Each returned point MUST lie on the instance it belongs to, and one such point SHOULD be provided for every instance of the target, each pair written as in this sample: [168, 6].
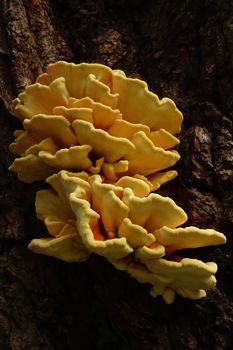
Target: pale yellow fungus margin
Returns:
[89, 117]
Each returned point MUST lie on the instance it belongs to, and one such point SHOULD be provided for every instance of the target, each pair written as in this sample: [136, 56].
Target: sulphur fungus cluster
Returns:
[100, 140]
[84, 117]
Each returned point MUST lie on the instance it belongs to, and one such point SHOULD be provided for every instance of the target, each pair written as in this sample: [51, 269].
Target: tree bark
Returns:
[184, 50]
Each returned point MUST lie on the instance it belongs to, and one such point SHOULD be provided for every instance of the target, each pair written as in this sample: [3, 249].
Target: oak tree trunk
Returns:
[184, 50]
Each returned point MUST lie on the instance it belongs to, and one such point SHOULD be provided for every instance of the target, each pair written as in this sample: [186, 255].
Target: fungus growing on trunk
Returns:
[89, 117]
[136, 231]
[101, 140]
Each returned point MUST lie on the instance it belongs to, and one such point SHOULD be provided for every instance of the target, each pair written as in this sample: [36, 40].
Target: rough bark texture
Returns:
[184, 50]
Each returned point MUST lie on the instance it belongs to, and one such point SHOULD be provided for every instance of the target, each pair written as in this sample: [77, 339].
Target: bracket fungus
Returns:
[134, 229]
[84, 117]
[102, 142]
[111, 220]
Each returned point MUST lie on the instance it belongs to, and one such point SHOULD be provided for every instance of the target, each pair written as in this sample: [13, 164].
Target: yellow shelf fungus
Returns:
[109, 218]
[96, 119]
[189, 277]
[134, 229]
[89, 118]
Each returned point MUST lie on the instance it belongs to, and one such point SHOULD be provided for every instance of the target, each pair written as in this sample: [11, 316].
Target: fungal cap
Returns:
[188, 237]
[31, 168]
[91, 234]
[188, 273]
[154, 251]
[189, 277]
[148, 105]
[67, 248]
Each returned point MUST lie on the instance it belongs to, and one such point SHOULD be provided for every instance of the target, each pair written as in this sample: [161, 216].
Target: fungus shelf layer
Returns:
[89, 117]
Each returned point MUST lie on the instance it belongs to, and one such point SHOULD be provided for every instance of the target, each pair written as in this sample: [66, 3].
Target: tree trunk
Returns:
[184, 50]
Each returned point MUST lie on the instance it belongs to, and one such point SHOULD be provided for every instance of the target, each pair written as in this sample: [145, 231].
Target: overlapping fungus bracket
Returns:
[134, 229]
[89, 117]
